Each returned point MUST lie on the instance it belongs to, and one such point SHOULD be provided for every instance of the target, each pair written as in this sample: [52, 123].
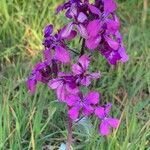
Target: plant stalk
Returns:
[69, 137]
[82, 48]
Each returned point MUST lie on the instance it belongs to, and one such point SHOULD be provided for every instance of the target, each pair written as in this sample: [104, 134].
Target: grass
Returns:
[39, 121]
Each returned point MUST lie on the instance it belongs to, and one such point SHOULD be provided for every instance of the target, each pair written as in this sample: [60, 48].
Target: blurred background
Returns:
[39, 121]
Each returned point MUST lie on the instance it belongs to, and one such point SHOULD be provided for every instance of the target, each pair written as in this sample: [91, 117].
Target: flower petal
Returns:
[87, 110]
[72, 88]
[100, 112]
[92, 43]
[48, 30]
[61, 93]
[93, 28]
[112, 26]
[108, 108]
[62, 55]
[92, 98]
[113, 122]
[82, 30]
[112, 43]
[113, 57]
[104, 128]
[94, 9]
[54, 83]
[76, 69]
[66, 31]
[71, 100]
[74, 113]
[81, 17]
[123, 54]
[109, 6]
[84, 60]
[86, 81]
[72, 35]
[31, 85]
[47, 56]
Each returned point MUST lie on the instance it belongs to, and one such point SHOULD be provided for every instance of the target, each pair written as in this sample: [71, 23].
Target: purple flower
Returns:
[79, 103]
[98, 28]
[106, 122]
[58, 53]
[41, 73]
[64, 84]
[81, 71]
[79, 22]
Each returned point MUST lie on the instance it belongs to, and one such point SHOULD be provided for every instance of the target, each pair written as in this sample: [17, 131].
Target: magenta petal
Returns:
[38, 76]
[92, 43]
[66, 31]
[94, 9]
[47, 55]
[100, 112]
[62, 55]
[48, 30]
[93, 28]
[113, 122]
[84, 60]
[76, 69]
[71, 100]
[123, 54]
[61, 93]
[31, 85]
[92, 98]
[112, 26]
[54, 83]
[108, 108]
[87, 110]
[113, 44]
[86, 81]
[74, 113]
[82, 30]
[81, 17]
[104, 128]
[109, 6]
[72, 35]
[73, 11]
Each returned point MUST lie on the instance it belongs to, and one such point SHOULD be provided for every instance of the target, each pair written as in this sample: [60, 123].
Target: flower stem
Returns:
[69, 138]
[82, 48]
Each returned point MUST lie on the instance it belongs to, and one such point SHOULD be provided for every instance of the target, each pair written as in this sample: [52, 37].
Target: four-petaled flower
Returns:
[106, 122]
[41, 73]
[80, 70]
[84, 104]
[64, 85]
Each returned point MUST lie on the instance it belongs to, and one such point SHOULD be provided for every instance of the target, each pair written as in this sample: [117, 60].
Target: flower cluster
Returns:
[98, 28]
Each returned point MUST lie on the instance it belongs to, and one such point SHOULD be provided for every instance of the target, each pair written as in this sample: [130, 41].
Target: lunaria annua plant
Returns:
[97, 27]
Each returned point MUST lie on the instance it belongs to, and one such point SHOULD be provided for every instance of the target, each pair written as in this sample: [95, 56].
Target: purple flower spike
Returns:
[106, 122]
[97, 28]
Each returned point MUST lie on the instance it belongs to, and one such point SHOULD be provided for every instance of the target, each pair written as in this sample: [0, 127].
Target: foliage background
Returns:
[39, 122]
